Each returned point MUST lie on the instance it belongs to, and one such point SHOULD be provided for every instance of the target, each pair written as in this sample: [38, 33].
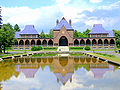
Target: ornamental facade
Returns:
[99, 38]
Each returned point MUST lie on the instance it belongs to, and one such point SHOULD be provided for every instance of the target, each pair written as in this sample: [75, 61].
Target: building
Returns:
[98, 38]
[0, 18]
[62, 67]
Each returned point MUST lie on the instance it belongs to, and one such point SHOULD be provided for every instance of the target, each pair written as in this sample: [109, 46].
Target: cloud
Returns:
[40, 17]
[62, 1]
[83, 16]
[96, 1]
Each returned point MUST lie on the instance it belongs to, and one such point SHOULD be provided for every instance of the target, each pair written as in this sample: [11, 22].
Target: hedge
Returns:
[87, 48]
[75, 47]
[50, 48]
[36, 48]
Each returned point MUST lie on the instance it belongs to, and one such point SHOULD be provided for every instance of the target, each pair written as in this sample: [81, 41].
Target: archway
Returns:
[44, 43]
[76, 43]
[33, 42]
[105, 42]
[16, 43]
[112, 42]
[63, 41]
[94, 42]
[82, 42]
[88, 43]
[100, 42]
[50, 43]
[38, 42]
[21, 42]
[27, 42]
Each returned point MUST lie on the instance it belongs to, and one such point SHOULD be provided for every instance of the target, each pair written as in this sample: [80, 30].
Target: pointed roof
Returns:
[65, 78]
[29, 73]
[98, 29]
[99, 72]
[29, 29]
[61, 23]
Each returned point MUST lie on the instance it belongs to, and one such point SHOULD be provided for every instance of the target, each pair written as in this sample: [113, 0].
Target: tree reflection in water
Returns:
[62, 67]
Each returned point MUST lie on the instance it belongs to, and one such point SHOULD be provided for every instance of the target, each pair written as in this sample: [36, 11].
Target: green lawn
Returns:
[112, 58]
[8, 54]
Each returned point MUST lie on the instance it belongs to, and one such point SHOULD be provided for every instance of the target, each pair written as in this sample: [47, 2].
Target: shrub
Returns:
[87, 48]
[76, 48]
[8, 48]
[36, 48]
[50, 48]
[39, 47]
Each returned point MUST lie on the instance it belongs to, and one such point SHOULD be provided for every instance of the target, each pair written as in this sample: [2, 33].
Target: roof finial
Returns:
[63, 18]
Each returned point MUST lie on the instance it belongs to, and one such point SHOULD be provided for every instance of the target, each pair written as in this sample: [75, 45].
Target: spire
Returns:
[70, 22]
[63, 18]
[57, 21]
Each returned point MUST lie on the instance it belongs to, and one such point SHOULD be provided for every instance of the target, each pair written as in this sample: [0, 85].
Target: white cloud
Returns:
[45, 17]
[95, 1]
[40, 17]
[62, 1]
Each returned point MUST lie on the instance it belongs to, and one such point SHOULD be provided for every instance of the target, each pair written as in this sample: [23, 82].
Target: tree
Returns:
[117, 37]
[75, 34]
[86, 32]
[16, 28]
[51, 34]
[7, 36]
[42, 35]
[81, 35]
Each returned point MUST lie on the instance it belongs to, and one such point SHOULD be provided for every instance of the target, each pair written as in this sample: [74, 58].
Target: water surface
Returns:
[58, 73]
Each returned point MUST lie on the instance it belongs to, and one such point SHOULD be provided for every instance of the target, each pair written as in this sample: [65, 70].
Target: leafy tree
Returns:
[7, 36]
[42, 35]
[75, 34]
[81, 35]
[85, 33]
[117, 37]
[51, 34]
[16, 28]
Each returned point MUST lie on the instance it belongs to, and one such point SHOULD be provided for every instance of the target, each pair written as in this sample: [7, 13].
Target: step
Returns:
[63, 48]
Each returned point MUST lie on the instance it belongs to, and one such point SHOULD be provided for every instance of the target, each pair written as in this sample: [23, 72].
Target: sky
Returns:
[44, 13]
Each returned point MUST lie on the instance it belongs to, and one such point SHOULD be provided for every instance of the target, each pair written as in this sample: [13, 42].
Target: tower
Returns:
[0, 18]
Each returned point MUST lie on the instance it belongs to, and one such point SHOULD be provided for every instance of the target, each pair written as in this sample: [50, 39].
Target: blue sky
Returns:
[43, 13]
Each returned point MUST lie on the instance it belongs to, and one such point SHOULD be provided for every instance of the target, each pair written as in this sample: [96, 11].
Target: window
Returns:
[27, 36]
[104, 35]
[93, 35]
[22, 36]
[98, 35]
[33, 36]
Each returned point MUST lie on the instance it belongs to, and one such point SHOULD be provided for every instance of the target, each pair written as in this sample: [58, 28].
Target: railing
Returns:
[112, 44]
[82, 44]
[106, 44]
[88, 44]
[100, 44]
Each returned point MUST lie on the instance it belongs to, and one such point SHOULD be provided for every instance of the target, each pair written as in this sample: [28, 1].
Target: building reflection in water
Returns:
[62, 67]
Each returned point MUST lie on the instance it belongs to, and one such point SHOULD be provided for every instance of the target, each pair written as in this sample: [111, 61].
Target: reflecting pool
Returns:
[58, 73]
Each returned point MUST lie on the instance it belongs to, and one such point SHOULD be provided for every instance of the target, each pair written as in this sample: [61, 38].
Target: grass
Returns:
[8, 54]
[108, 57]
[50, 48]
[40, 55]
[80, 54]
